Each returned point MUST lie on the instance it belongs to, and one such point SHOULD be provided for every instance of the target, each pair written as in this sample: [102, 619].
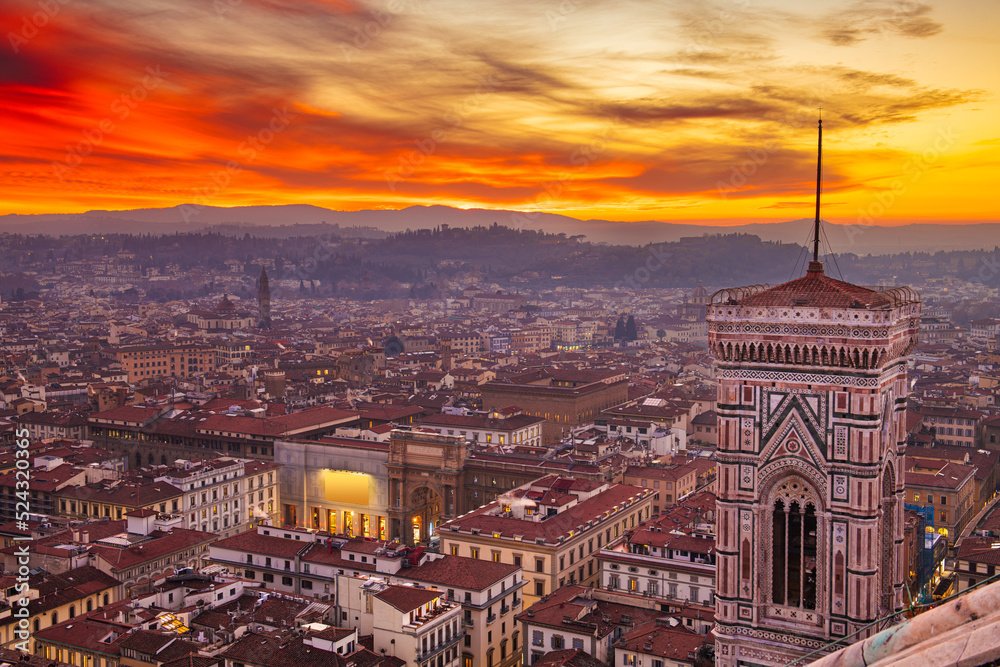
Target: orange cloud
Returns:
[356, 104]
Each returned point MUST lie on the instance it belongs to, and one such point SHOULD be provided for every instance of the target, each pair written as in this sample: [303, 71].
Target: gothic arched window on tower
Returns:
[793, 541]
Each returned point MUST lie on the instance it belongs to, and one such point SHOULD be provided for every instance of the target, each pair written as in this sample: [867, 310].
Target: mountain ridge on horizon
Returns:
[857, 239]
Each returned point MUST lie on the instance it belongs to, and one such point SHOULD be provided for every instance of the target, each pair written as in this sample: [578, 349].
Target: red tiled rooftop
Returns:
[461, 572]
[817, 290]
[407, 598]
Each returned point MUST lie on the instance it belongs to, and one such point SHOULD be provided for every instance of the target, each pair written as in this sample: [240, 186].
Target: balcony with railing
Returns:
[443, 611]
[436, 649]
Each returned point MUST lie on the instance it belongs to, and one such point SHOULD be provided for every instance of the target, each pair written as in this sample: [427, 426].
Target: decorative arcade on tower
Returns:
[812, 387]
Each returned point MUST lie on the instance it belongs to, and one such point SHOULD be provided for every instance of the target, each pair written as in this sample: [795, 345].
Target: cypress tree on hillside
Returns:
[630, 331]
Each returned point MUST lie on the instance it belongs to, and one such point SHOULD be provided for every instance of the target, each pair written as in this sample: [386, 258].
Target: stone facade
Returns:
[562, 407]
[811, 415]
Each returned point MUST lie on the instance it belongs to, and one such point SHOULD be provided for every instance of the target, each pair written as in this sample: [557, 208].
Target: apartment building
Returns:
[976, 559]
[63, 425]
[952, 425]
[144, 546]
[225, 496]
[417, 625]
[947, 486]
[58, 597]
[662, 642]
[671, 556]
[143, 362]
[114, 499]
[580, 617]
[551, 527]
[500, 427]
[350, 573]
[489, 594]
[669, 483]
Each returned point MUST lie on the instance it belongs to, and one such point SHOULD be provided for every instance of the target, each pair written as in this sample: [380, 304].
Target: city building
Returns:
[418, 626]
[135, 551]
[564, 399]
[489, 594]
[552, 528]
[976, 558]
[660, 642]
[224, 496]
[165, 360]
[57, 597]
[604, 625]
[669, 557]
[151, 435]
[953, 425]
[984, 331]
[334, 484]
[62, 425]
[349, 573]
[669, 483]
[505, 428]
[948, 487]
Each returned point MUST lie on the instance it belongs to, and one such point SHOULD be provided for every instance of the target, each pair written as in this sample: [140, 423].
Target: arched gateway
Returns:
[425, 472]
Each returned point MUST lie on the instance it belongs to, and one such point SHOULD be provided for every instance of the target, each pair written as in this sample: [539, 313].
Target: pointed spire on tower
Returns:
[815, 266]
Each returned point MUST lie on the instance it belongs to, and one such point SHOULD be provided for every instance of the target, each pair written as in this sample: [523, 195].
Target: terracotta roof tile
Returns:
[461, 572]
[407, 598]
[817, 290]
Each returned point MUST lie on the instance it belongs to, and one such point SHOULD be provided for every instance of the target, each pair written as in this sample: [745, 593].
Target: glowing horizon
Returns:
[676, 111]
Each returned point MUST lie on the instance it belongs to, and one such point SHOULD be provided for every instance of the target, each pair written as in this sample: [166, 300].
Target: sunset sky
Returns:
[666, 110]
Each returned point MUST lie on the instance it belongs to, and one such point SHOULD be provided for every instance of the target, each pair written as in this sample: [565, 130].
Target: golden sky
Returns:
[625, 110]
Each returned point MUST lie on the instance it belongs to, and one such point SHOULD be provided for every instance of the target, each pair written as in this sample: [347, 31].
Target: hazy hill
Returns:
[188, 218]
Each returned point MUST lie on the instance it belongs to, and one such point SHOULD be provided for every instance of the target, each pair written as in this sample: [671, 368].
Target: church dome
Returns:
[225, 306]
